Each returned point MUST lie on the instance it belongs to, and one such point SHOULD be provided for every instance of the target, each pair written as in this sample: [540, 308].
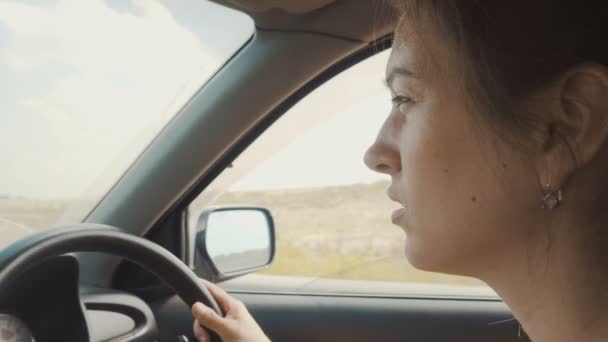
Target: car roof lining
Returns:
[289, 6]
[367, 20]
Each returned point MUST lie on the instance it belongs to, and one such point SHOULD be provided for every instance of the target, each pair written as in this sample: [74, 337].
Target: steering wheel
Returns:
[23, 254]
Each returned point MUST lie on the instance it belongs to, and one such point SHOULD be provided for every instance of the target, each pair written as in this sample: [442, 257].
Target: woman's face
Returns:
[468, 198]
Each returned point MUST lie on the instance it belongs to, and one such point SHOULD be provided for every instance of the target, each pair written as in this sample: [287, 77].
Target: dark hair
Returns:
[513, 48]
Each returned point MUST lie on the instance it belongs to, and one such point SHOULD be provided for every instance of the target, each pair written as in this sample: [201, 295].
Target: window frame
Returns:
[326, 286]
[378, 46]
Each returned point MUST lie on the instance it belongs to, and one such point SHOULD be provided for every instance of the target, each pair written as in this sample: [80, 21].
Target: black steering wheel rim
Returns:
[85, 237]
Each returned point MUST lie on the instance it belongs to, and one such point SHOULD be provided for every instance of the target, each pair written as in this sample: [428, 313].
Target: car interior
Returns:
[130, 271]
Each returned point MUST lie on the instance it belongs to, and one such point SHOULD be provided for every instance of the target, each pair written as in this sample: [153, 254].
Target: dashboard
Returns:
[48, 305]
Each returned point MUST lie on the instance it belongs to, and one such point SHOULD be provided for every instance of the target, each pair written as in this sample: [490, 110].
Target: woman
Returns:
[497, 149]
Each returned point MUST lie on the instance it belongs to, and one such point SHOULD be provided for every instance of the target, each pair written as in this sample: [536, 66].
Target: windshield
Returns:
[86, 85]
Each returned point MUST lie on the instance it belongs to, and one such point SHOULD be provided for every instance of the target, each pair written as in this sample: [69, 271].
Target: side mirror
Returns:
[233, 241]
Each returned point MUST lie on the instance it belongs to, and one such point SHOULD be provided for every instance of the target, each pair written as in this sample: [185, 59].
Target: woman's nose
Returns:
[382, 157]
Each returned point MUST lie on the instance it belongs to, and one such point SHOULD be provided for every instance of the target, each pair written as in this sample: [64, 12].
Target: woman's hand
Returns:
[237, 326]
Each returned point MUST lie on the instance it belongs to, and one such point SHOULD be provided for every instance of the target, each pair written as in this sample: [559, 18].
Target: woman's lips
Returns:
[397, 214]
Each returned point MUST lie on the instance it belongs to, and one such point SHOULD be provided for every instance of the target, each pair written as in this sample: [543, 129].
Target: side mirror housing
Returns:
[233, 241]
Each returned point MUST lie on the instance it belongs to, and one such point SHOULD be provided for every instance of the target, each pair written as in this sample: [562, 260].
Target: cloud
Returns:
[117, 77]
[93, 36]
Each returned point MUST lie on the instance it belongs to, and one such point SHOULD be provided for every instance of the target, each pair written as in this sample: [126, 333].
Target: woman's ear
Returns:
[578, 125]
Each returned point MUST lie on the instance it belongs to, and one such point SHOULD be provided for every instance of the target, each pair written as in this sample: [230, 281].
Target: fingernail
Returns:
[199, 308]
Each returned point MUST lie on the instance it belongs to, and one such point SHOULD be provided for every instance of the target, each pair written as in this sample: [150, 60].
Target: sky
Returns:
[322, 139]
[71, 70]
[251, 226]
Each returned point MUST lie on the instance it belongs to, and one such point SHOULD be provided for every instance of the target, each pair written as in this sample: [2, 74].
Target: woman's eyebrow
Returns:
[398, 71]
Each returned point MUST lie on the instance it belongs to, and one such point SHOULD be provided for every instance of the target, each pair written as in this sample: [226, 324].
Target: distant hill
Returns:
[357, 207]
[35, 214]
[335, 232]
[338, 232]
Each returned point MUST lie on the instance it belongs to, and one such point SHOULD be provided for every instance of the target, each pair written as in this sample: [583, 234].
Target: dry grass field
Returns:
[18, 217]
[339, 232]
[333, 232]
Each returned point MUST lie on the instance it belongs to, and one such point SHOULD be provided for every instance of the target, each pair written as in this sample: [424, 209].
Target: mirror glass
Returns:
[238, 239]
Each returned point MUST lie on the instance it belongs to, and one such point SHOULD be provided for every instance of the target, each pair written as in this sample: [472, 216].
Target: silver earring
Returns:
[551, 198]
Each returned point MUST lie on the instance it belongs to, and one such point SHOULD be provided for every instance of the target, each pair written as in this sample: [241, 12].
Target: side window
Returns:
[331, 213]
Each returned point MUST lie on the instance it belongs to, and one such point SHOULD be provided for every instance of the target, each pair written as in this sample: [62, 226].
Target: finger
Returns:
[201, 334]
[224, 300]
[209, 318]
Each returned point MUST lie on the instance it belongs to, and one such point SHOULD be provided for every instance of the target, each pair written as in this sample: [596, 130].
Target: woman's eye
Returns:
[401, 100]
